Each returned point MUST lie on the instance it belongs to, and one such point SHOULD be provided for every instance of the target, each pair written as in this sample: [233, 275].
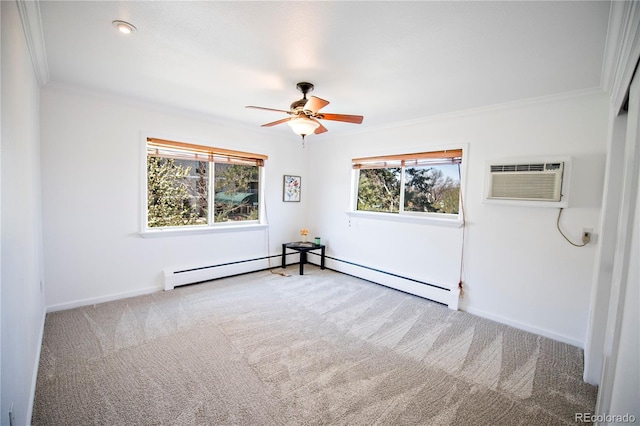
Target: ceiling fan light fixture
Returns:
[124, 27]
[305, 114]
[303, 126]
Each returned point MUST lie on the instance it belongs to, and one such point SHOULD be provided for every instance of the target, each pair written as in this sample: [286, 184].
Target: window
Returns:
[426, 183]
[199, 186]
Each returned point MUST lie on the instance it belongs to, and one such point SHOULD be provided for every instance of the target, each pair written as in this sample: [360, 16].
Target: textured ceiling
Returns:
[389, 61]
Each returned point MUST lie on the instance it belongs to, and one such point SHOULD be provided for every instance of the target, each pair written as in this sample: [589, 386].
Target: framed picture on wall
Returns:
[291, 188]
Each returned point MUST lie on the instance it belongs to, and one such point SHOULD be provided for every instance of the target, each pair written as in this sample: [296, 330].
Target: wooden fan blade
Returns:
[274, 123]
[356, 119]
[268, 109]
[314, 104]
[320, 129]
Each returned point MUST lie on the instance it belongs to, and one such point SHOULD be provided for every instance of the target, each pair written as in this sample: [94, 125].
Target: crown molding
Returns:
[622, 50]
[151, 106]
[594, 92]
[32, 27]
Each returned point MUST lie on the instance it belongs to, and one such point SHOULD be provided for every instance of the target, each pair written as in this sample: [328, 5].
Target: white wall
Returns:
[518, 268]
[21, 249]
[92, 166]
[626, 384]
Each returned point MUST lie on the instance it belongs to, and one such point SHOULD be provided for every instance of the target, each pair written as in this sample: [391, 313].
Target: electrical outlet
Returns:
[586, 235]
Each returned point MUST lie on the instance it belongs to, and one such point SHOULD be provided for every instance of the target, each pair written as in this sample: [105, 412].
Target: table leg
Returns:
[322, 258]
[284, 256]
[303, 260]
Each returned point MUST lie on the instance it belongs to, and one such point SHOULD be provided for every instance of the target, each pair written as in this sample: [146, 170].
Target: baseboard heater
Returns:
[434, 292]
[177, 277]
[437, 293]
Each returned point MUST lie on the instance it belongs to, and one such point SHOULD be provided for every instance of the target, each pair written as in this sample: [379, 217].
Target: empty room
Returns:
[319, 212]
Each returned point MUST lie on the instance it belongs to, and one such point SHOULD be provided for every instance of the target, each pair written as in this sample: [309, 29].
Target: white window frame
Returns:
[211, 226]
[431, 218]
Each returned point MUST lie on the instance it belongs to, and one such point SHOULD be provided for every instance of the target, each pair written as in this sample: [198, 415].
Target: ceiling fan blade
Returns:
[274, 123]
[268, 109]
[314, 104]
[356, 119]
[320, 129]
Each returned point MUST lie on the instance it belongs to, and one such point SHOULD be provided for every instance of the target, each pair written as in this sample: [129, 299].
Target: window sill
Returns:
[175, 232]
[410, 218]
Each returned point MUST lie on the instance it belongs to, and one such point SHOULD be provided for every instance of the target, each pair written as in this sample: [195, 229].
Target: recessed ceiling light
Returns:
[124, 27]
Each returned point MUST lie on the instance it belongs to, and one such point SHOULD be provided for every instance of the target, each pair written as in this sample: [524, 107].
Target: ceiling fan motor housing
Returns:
[304, 87]
[298, 105]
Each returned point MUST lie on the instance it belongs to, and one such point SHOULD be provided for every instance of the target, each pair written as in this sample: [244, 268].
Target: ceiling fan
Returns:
[305, 114]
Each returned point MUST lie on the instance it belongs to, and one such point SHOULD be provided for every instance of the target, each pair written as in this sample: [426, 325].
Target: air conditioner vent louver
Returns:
[526, 182]
[517, 168]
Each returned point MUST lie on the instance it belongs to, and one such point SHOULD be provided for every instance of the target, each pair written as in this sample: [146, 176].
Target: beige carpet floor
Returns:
[318, 349]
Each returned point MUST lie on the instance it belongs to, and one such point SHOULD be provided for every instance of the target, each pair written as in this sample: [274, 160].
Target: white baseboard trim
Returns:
[102, 299]
[205, 274]
[449, 298]
[36, 366]
[526, 327]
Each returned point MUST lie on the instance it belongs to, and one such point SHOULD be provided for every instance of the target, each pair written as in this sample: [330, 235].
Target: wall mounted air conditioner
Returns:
[530, 182]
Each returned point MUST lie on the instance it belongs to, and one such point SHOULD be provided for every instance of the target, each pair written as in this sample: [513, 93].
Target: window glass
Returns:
[379, 190]
[194, 185]
[236, 192]
[421, 183]
[176, 192]
[433, 188]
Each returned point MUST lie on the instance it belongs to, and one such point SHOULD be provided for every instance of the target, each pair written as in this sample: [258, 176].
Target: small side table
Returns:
[302, 248]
